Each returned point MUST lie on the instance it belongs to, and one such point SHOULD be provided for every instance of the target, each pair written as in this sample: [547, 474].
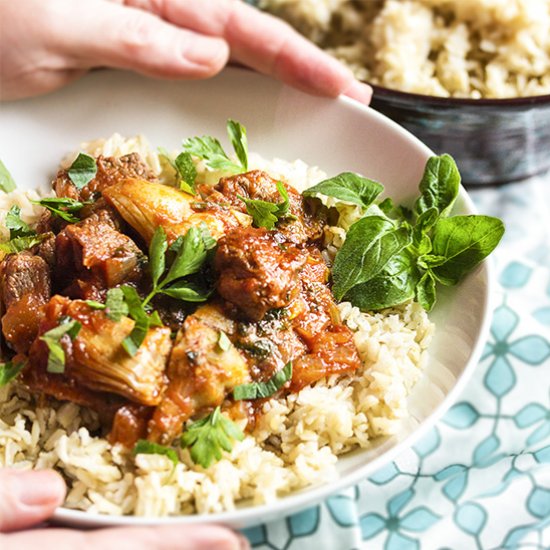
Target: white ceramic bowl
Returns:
[337, 135]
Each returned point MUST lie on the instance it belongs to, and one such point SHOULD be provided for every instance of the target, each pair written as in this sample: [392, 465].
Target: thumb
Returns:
[28, 497]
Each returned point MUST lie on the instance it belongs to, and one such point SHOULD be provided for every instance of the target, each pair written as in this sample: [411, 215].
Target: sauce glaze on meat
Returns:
[271, 299]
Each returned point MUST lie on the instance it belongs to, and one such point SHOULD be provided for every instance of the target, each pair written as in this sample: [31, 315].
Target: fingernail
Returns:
[360, 92]
[209, 52]
[38, 487]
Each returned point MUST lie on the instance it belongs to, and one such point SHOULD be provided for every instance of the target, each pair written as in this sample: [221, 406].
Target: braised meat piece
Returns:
[146, 206]
[96, 359]
[110, 170]
[24, 289]
[307, 225]
[94, 248]
[201, 372]
[258, 271]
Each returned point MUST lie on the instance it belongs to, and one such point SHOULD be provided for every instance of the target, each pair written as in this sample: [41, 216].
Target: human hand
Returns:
[46, 44]
[28, 498]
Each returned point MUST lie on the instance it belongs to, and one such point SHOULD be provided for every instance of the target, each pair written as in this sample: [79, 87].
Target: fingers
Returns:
[264, 43]
[199, 537]
[98, 33]
[28, 497]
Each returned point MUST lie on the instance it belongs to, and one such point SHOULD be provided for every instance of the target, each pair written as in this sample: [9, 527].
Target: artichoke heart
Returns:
[201, 371]
[145, 206]
[101, 363]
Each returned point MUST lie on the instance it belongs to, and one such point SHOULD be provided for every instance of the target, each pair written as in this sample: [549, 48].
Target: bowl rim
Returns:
[528, 101]
[297, 500]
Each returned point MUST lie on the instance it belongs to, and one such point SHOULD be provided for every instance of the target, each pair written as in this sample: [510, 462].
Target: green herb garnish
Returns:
[115, 305]
[7, 183]
[18, 228]
[210, 150]
[349, 188]
[267, 214]
[208, 437]
[261, 390]
[52, 338]
[83, 170]
[21, 243]
[22, 237]
[191, 252]
[224, 343]
[8, 371]
[62, 207]
[394, 254]
[149, 448]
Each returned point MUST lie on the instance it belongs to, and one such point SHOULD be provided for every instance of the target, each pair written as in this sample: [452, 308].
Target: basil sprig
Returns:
[261, 390]
[394, 254]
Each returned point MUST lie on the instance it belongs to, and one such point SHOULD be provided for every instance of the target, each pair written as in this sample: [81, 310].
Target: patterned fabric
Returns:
[481, 477]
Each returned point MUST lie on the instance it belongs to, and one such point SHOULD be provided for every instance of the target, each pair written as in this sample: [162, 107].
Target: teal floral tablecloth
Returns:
[481, 477]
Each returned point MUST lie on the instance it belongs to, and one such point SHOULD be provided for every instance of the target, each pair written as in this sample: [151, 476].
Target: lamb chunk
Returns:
[258, 185]
[258, 271]
[93, 247]
[25, 287]
[110, 170]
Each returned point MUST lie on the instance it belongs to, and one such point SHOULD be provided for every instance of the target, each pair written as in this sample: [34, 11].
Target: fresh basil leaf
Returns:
[21, 243]
[208, 437]
[465, 241]
[394, 285]
[237, 135]
[428, 261]
[439, 185]
[52, 339]
[7, 183]
[370, 243]
[149, 448]
[116, 305]
[264, 214]
[349, 188]
[83, 170]
[62, 207]
[210, 150]
[261, 390]
[18, 228]
[224, 343]
[387, 206]
[157, 254]
[425, 291]
[9, 371]
[187, 172]
[186, 292]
